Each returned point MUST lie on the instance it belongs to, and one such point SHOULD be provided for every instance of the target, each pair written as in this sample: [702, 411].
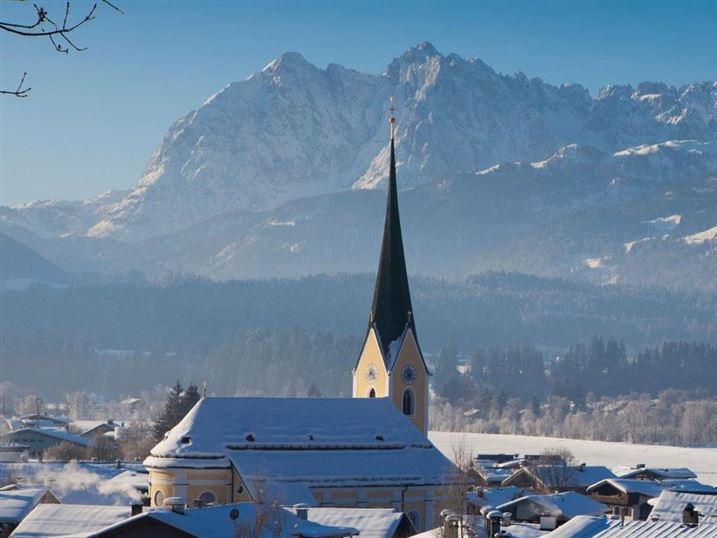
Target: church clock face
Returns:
[408, 374]
[371, 373]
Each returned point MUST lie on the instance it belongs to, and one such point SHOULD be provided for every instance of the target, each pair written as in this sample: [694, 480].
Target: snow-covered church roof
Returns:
[303, 441]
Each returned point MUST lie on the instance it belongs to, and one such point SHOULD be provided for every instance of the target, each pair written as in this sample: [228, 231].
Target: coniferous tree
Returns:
[189, 399]
[172, 413]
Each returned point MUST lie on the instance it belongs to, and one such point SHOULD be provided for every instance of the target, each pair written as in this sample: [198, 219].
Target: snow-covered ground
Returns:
[616, 456]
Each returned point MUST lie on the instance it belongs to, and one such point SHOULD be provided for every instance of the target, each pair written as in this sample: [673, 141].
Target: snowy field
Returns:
[616, 456]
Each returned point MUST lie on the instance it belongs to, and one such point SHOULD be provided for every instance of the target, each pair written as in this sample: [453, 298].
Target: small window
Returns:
[158, 498]
[415, 519]
[207, 497]
[372, 393]
[408, 404]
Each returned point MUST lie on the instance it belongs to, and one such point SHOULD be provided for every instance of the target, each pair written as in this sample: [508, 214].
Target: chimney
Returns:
[302, 511]
[690, 516]
[494, 518]
[175, 504]
[450, 527]
[136, 509]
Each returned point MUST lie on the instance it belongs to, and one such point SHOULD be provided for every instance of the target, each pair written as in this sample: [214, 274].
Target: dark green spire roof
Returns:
[391, 310]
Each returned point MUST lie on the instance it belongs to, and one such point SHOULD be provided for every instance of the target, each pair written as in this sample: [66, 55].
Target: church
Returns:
[369, 451]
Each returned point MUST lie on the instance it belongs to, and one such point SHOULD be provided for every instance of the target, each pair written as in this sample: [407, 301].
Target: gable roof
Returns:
[568, 504]
[17, 502]
[391, 310]
[670, 504]
[56, 433]
[339, 441]
[648, 488]
[68, 519]
[581, 476]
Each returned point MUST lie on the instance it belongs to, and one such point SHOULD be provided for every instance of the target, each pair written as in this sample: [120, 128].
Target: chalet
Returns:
[39, 439]
[627, 496]
[659, 473]
[559, 477]
[560, 506]
[16, 503]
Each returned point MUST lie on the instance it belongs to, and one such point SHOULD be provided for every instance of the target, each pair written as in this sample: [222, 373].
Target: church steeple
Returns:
[391, 310]
[391, 364]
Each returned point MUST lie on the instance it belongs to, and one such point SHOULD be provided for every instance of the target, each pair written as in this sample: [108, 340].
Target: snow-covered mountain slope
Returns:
[294, 130]
[565, 215]
[59, 218]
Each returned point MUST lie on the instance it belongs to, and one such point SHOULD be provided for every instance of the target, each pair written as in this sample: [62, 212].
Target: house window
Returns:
[207, 497]
[408, 404]
[415, 519]
[158, 498]
[372, 393]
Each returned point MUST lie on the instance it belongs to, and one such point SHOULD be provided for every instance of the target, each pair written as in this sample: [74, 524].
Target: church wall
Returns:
[370, 354]
[410, 355]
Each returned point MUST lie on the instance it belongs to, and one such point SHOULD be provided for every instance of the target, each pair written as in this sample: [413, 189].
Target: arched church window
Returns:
[372, 393]
[207, 497]
[408, 403]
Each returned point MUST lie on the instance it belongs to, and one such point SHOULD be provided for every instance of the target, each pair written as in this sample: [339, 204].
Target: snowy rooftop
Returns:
[494, 496]
[370, 522]
[57, 433]
[50, 520]
[336, 441]
[581, 476]
[670, 504]
[212, 522]
[602, 527]
[16, 502]
[568, 504]
[649, 488]
[662, 472]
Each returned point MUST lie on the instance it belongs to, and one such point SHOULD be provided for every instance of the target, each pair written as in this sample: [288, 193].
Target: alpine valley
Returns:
[281, 175]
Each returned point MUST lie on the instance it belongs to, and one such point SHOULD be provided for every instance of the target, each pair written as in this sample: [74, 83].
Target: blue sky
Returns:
[93, 118]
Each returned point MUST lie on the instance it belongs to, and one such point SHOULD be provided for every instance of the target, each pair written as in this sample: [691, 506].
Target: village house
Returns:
[558, 477]
[38, 440]
[16, 502]
[659, 473]
[626, 496]
[552, 510]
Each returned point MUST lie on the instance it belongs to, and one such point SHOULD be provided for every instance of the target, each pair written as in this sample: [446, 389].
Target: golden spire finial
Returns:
[392, 117]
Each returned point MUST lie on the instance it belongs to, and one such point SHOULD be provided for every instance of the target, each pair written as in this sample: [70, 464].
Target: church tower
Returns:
[391, 364]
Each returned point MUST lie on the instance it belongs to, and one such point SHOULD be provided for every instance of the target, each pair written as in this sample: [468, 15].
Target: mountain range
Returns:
[282, 175]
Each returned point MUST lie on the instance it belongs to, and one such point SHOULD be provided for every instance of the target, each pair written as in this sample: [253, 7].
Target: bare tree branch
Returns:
[38, 29]
[20, 92]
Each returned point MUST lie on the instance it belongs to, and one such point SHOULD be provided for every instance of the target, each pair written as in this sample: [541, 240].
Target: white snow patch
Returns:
[665, 224]
[701, 237]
